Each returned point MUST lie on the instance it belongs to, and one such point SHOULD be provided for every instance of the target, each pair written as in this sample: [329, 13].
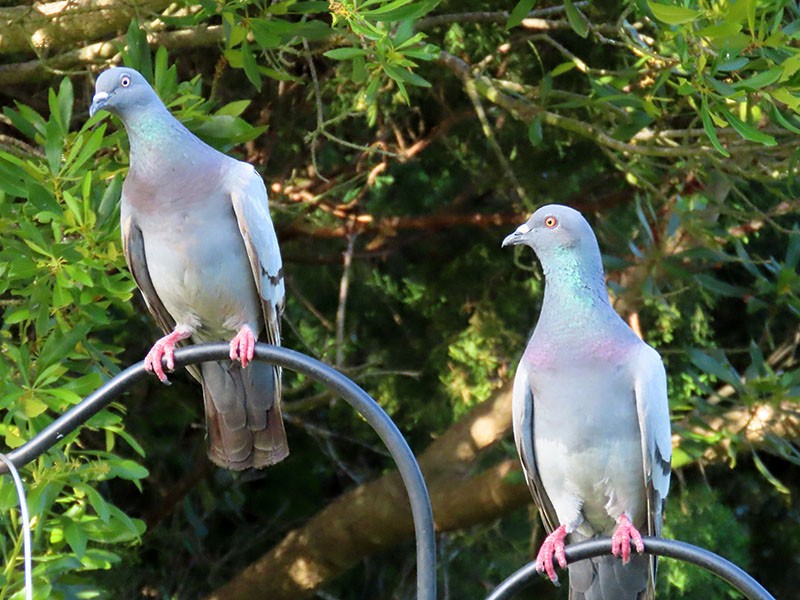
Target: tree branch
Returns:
[100, 52]
[493, 16]
[526, 111]
[41, 27]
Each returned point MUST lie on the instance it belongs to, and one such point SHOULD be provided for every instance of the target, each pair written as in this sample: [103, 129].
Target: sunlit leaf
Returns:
[672, 14]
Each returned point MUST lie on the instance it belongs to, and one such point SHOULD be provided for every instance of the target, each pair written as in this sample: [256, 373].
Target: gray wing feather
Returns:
[522, 417]
[133, 248]
[249, 199]
[652, 407]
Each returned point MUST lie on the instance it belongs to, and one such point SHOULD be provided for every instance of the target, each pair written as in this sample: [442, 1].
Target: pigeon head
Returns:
[565, 244]
[553, 227]
[122, 91]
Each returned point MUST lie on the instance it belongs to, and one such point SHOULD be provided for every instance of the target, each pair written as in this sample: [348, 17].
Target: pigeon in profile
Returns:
[199, 241]
[591, 417]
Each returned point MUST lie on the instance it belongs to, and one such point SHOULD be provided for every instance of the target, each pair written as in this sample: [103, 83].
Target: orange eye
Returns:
[550, 222]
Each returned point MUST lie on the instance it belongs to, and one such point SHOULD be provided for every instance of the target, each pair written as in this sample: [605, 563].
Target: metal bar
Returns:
[717, 565]
[385, 428]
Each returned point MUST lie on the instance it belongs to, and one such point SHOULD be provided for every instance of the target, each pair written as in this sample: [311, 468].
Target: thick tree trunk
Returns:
[45, 26]
[376, 516]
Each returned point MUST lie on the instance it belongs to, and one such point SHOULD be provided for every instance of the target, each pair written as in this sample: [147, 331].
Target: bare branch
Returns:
[494, 16]
[341, 310]
[100, 53]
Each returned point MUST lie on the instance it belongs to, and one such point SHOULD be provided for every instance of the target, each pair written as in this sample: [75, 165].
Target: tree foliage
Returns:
[400, 141]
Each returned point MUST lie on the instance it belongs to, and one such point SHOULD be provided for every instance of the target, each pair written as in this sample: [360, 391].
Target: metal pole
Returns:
[717, 565]
[398, 447]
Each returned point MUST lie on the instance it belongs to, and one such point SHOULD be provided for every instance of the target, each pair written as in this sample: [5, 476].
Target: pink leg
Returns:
[622, 538]
[553, 546]
[243, 345]
[165, 347]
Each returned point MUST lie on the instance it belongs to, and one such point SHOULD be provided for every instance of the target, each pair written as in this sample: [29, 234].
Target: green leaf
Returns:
[671, 14]
[426, 52]
[719, 366]
[720, 30]
[31, 406]
[748, 131]
[250, 66]
[236, 35]
[28, 121]
[708, 125]
[762, 79]
[65, 101]
[344, 53]
[722, 88]
[762, 468]
[97, 501]
[265, 33]
[400, 10]
[76, 537]
[783, 121]
[751, 15]
[519, 12]
[784, 95]
[535, 131]
[733, 65]
[233, 109]
[720, 288]
[234, 58]
[138, 51]
[61, 343]
[128, 469]
[110, 200]
[87, 150]
[53, 145]
[400, 75]
[576, 19]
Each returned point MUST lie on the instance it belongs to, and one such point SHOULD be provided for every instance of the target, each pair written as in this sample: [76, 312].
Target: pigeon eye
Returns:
[550, 222]
[125, 81]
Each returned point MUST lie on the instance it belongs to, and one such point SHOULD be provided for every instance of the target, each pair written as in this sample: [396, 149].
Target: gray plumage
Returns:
[201, 246]
[590, 410]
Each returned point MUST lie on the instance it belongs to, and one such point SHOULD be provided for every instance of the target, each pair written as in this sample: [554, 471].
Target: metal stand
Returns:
[709, 561]
[295, 361]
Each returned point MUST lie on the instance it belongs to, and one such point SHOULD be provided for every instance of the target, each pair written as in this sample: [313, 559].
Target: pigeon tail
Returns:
[607, 578]
[243, 415]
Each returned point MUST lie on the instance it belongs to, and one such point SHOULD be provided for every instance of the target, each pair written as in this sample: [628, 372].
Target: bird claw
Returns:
[163, 348]
[624, 535]
[153, 361]
[553, 545]
[243, 345]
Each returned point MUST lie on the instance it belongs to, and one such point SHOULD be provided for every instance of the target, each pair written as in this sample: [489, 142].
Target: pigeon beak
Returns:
[518, 237]
[98, 102]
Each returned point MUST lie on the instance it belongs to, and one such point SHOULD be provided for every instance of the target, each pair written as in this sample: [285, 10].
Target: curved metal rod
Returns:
[721, 567]
[398, 447]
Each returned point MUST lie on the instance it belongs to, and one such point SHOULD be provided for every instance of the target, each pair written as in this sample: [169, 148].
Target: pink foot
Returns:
[165, 347]
[243, 345]
[553, 546]
[622, 538]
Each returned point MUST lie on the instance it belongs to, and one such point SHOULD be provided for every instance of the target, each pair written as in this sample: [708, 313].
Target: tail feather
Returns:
[243, 415]
[606, 578]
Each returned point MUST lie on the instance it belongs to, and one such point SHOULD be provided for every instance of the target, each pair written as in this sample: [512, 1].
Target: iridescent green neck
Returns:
[155, 137]
[574, 285]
